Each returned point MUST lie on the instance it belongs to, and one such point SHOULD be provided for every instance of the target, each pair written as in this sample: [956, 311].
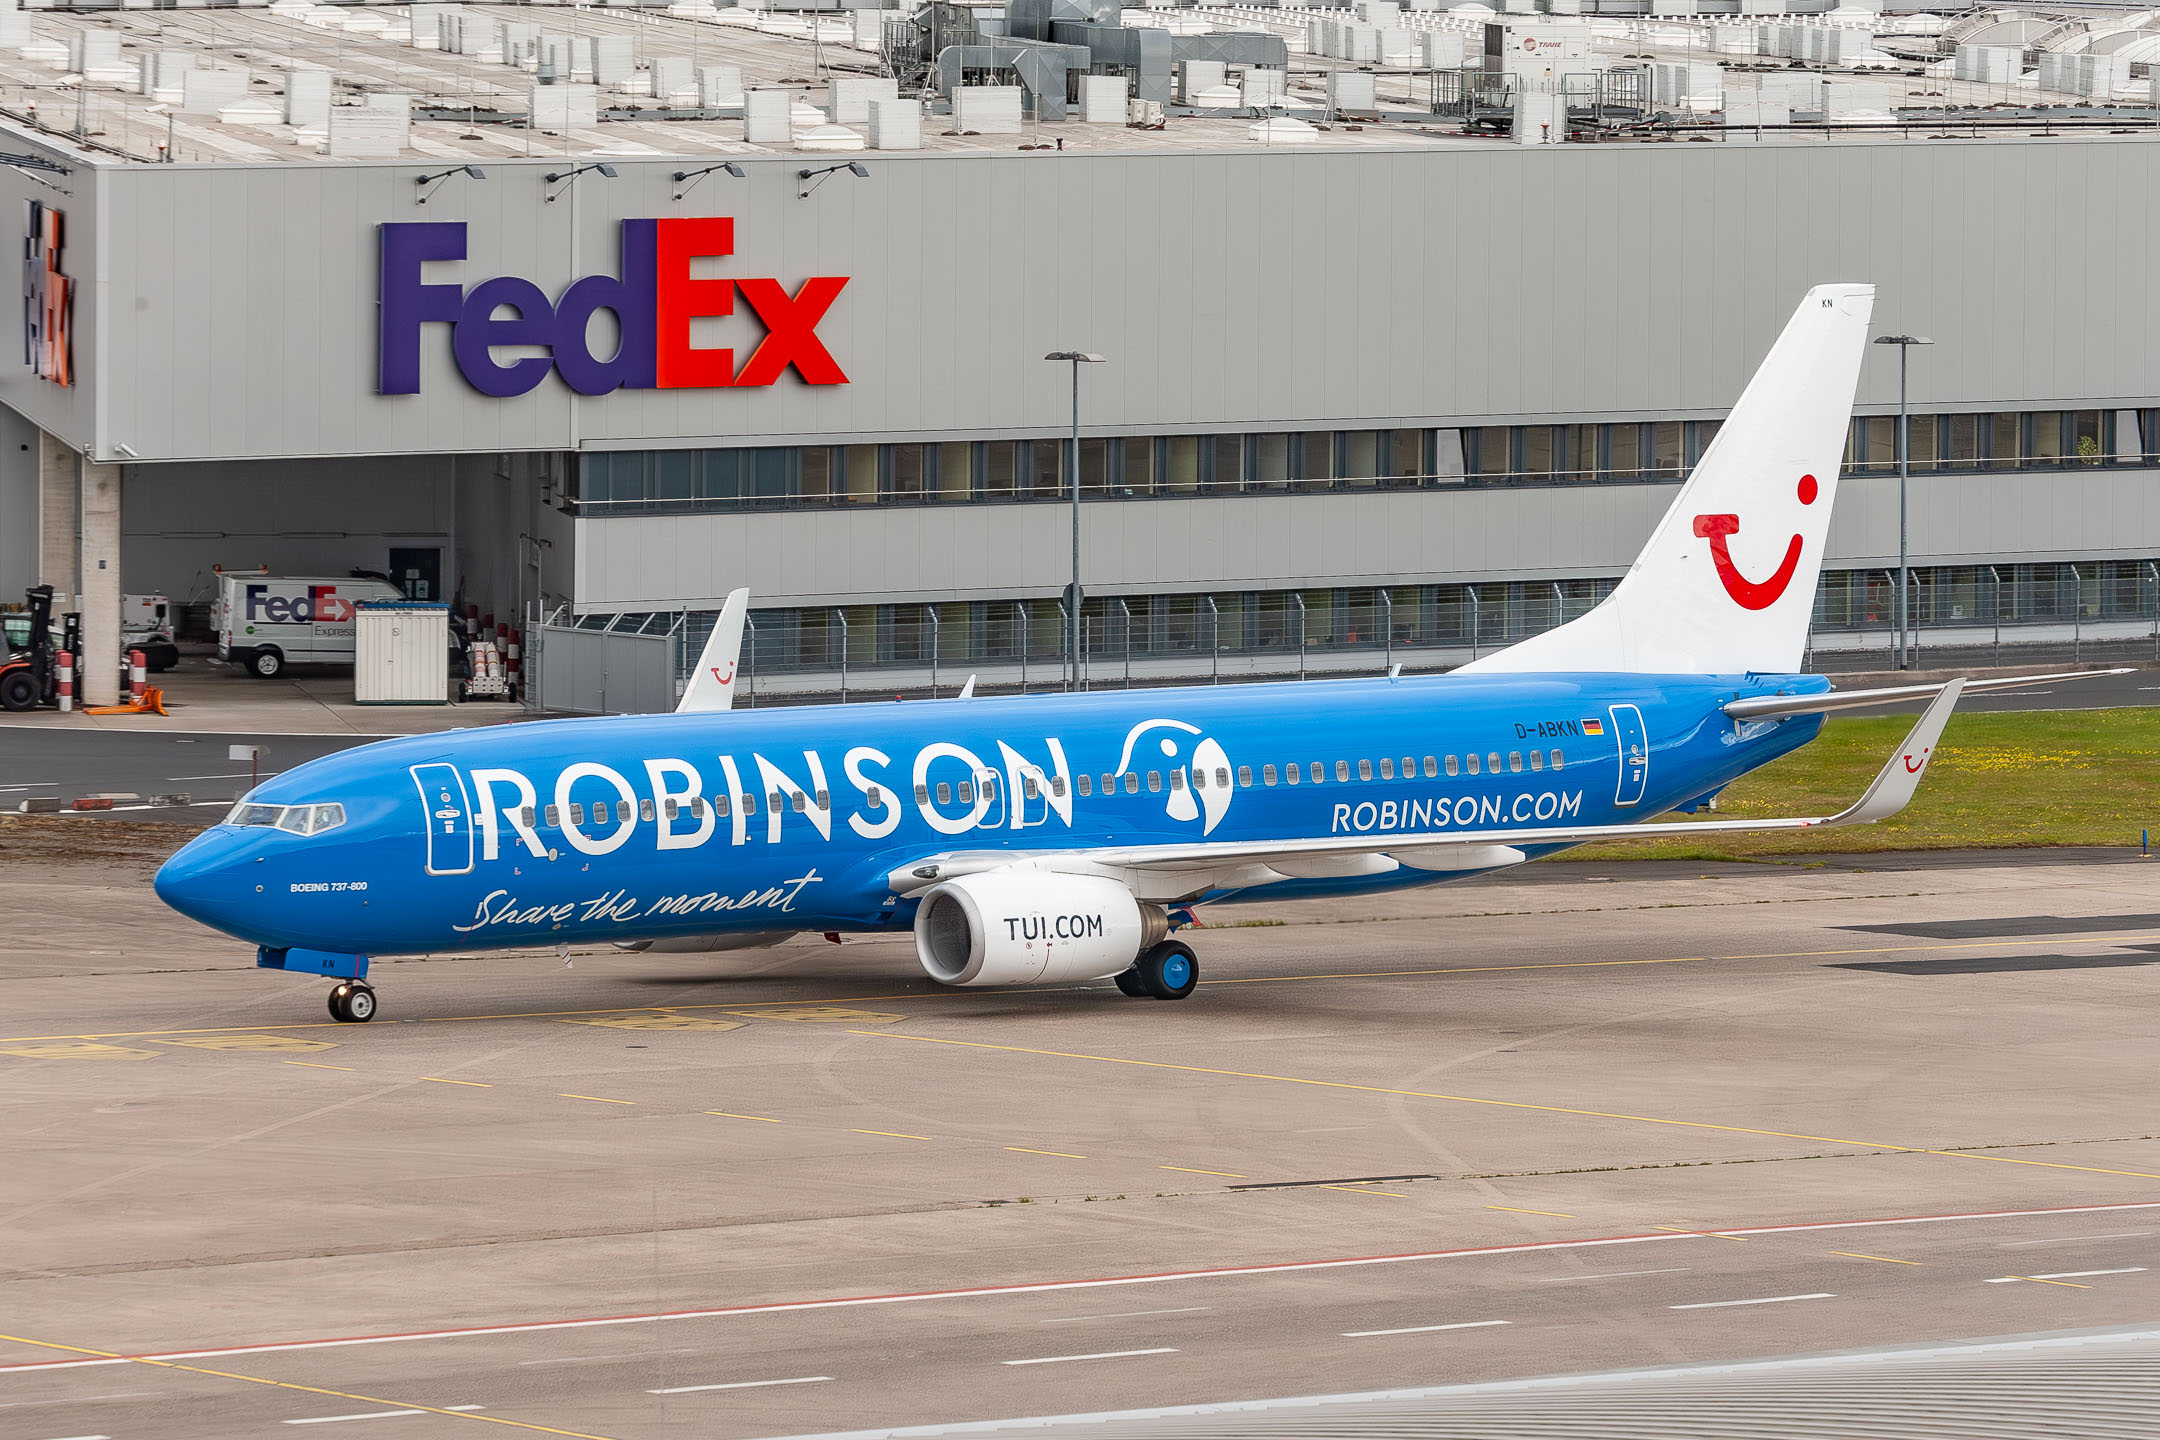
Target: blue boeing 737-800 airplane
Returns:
[1060, 838]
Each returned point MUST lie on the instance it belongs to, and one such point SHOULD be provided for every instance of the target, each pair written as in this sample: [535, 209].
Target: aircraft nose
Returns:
[201, 880]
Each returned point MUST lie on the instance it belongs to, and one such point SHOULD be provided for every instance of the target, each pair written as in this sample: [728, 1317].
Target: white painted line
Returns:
[1614, 1274]
[1425, 1329]
[1043, 1287]
[85, 1437]
[2071, 1239]
[740, 1385]
[370, 1415]
[1099, 1355]
[1766, 1300]
[2065, 1275]
[1126, 1315]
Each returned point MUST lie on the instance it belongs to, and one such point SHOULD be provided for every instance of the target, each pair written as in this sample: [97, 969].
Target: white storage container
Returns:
[896, 124]
[401, 653]
[850, 96]
[987, 109]
[1350, 90]
[765, 117]
[1102, 99]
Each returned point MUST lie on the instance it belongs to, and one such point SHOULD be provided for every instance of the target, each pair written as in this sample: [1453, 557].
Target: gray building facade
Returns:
[1406, 373]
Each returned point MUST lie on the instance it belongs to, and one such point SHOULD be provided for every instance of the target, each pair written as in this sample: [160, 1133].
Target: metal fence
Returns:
[1977, 616]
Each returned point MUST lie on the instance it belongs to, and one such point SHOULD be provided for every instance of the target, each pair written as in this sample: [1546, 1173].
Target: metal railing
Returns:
[1056, 491]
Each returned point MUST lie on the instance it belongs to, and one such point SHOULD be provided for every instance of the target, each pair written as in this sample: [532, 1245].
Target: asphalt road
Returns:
[63, 764]
[1643, 1115]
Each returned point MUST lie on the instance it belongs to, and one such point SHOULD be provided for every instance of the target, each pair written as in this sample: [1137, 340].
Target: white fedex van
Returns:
[267, 622]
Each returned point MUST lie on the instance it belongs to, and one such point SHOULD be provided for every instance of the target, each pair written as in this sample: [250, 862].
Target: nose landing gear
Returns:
[352, 1003]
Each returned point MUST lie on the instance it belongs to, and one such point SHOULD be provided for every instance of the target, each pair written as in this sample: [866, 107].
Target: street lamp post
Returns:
[1904, 468]
[1076, 358]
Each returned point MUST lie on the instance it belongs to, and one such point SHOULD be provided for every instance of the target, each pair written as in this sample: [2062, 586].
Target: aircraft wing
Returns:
[1179, 871]
[1765, 707]
[712, 684]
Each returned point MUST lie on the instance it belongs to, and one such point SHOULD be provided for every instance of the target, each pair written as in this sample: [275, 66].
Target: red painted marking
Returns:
[1748, 594]
[1912, 766]
[792, 323]
[723, 679]
[1047, 1286]
[1808, 490]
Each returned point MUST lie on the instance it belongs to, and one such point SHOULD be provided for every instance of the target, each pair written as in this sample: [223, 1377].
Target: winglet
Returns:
[1893, 788]
[967, 691]
[712, 684]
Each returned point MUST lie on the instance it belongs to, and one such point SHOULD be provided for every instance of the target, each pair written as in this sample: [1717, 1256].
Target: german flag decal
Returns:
[1593, 727]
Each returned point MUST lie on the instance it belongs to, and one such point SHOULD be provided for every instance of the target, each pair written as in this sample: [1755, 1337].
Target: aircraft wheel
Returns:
[352, 1004]
[1169, 971]
[1130, 982]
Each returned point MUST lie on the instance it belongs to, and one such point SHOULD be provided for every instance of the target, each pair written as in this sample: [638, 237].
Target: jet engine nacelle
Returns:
[1028, 927]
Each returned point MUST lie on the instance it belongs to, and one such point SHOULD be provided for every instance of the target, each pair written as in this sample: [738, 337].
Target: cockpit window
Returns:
[294, 819]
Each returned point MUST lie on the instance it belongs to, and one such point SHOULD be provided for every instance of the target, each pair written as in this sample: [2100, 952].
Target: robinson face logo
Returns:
[1746, 593]
[1202, 756]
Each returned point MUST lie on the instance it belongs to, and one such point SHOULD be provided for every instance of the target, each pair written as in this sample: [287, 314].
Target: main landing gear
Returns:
[1167, 971]
[352, 1003]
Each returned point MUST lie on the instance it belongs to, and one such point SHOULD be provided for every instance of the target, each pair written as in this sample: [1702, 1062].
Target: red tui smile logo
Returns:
[1752, 594]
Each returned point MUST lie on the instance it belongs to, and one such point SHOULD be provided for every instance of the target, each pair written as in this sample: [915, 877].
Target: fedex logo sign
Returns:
[651, 295]
[321, 603]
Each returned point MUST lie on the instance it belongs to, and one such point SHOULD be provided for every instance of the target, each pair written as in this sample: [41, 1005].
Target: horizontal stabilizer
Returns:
[1767, 707]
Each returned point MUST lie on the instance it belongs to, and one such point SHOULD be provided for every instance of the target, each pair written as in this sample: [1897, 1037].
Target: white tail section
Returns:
[1727, 583]
[712, 684]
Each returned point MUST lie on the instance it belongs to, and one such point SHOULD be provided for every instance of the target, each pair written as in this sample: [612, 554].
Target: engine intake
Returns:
[1027, 927]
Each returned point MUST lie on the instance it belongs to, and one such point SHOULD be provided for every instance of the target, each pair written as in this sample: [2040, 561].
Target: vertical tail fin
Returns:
[1727, 583]
[712, 684]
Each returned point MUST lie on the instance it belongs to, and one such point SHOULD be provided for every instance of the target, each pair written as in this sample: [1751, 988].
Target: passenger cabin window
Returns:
[796, 801]
[989, 787]
[772, 800]
[1409, 767]
[1470, 763]
[824, 800]
[525, 816]
[673, 809]
[1132, 782]
[1492, 762]
[1267, 775]
[1154, 782]
[967, 792]
[1556, 759]
[1364, 770]
[720, 806]
[1514, 762]
[1177, 778]
[875, 799]
[1222, 778]
[1432, 769]
[645, 809]
[1028, 787]
[1244, 777]
[622, 810]
[1452, 767]
[1387, 768]
[749, 803]
[1085, 784]
[1537, 760]
[554, 817]
[1057, 786]
[577, 813]
[944, 792]
[1317, 773]
[1294, 773]
[1199, 778]
[922, 793]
